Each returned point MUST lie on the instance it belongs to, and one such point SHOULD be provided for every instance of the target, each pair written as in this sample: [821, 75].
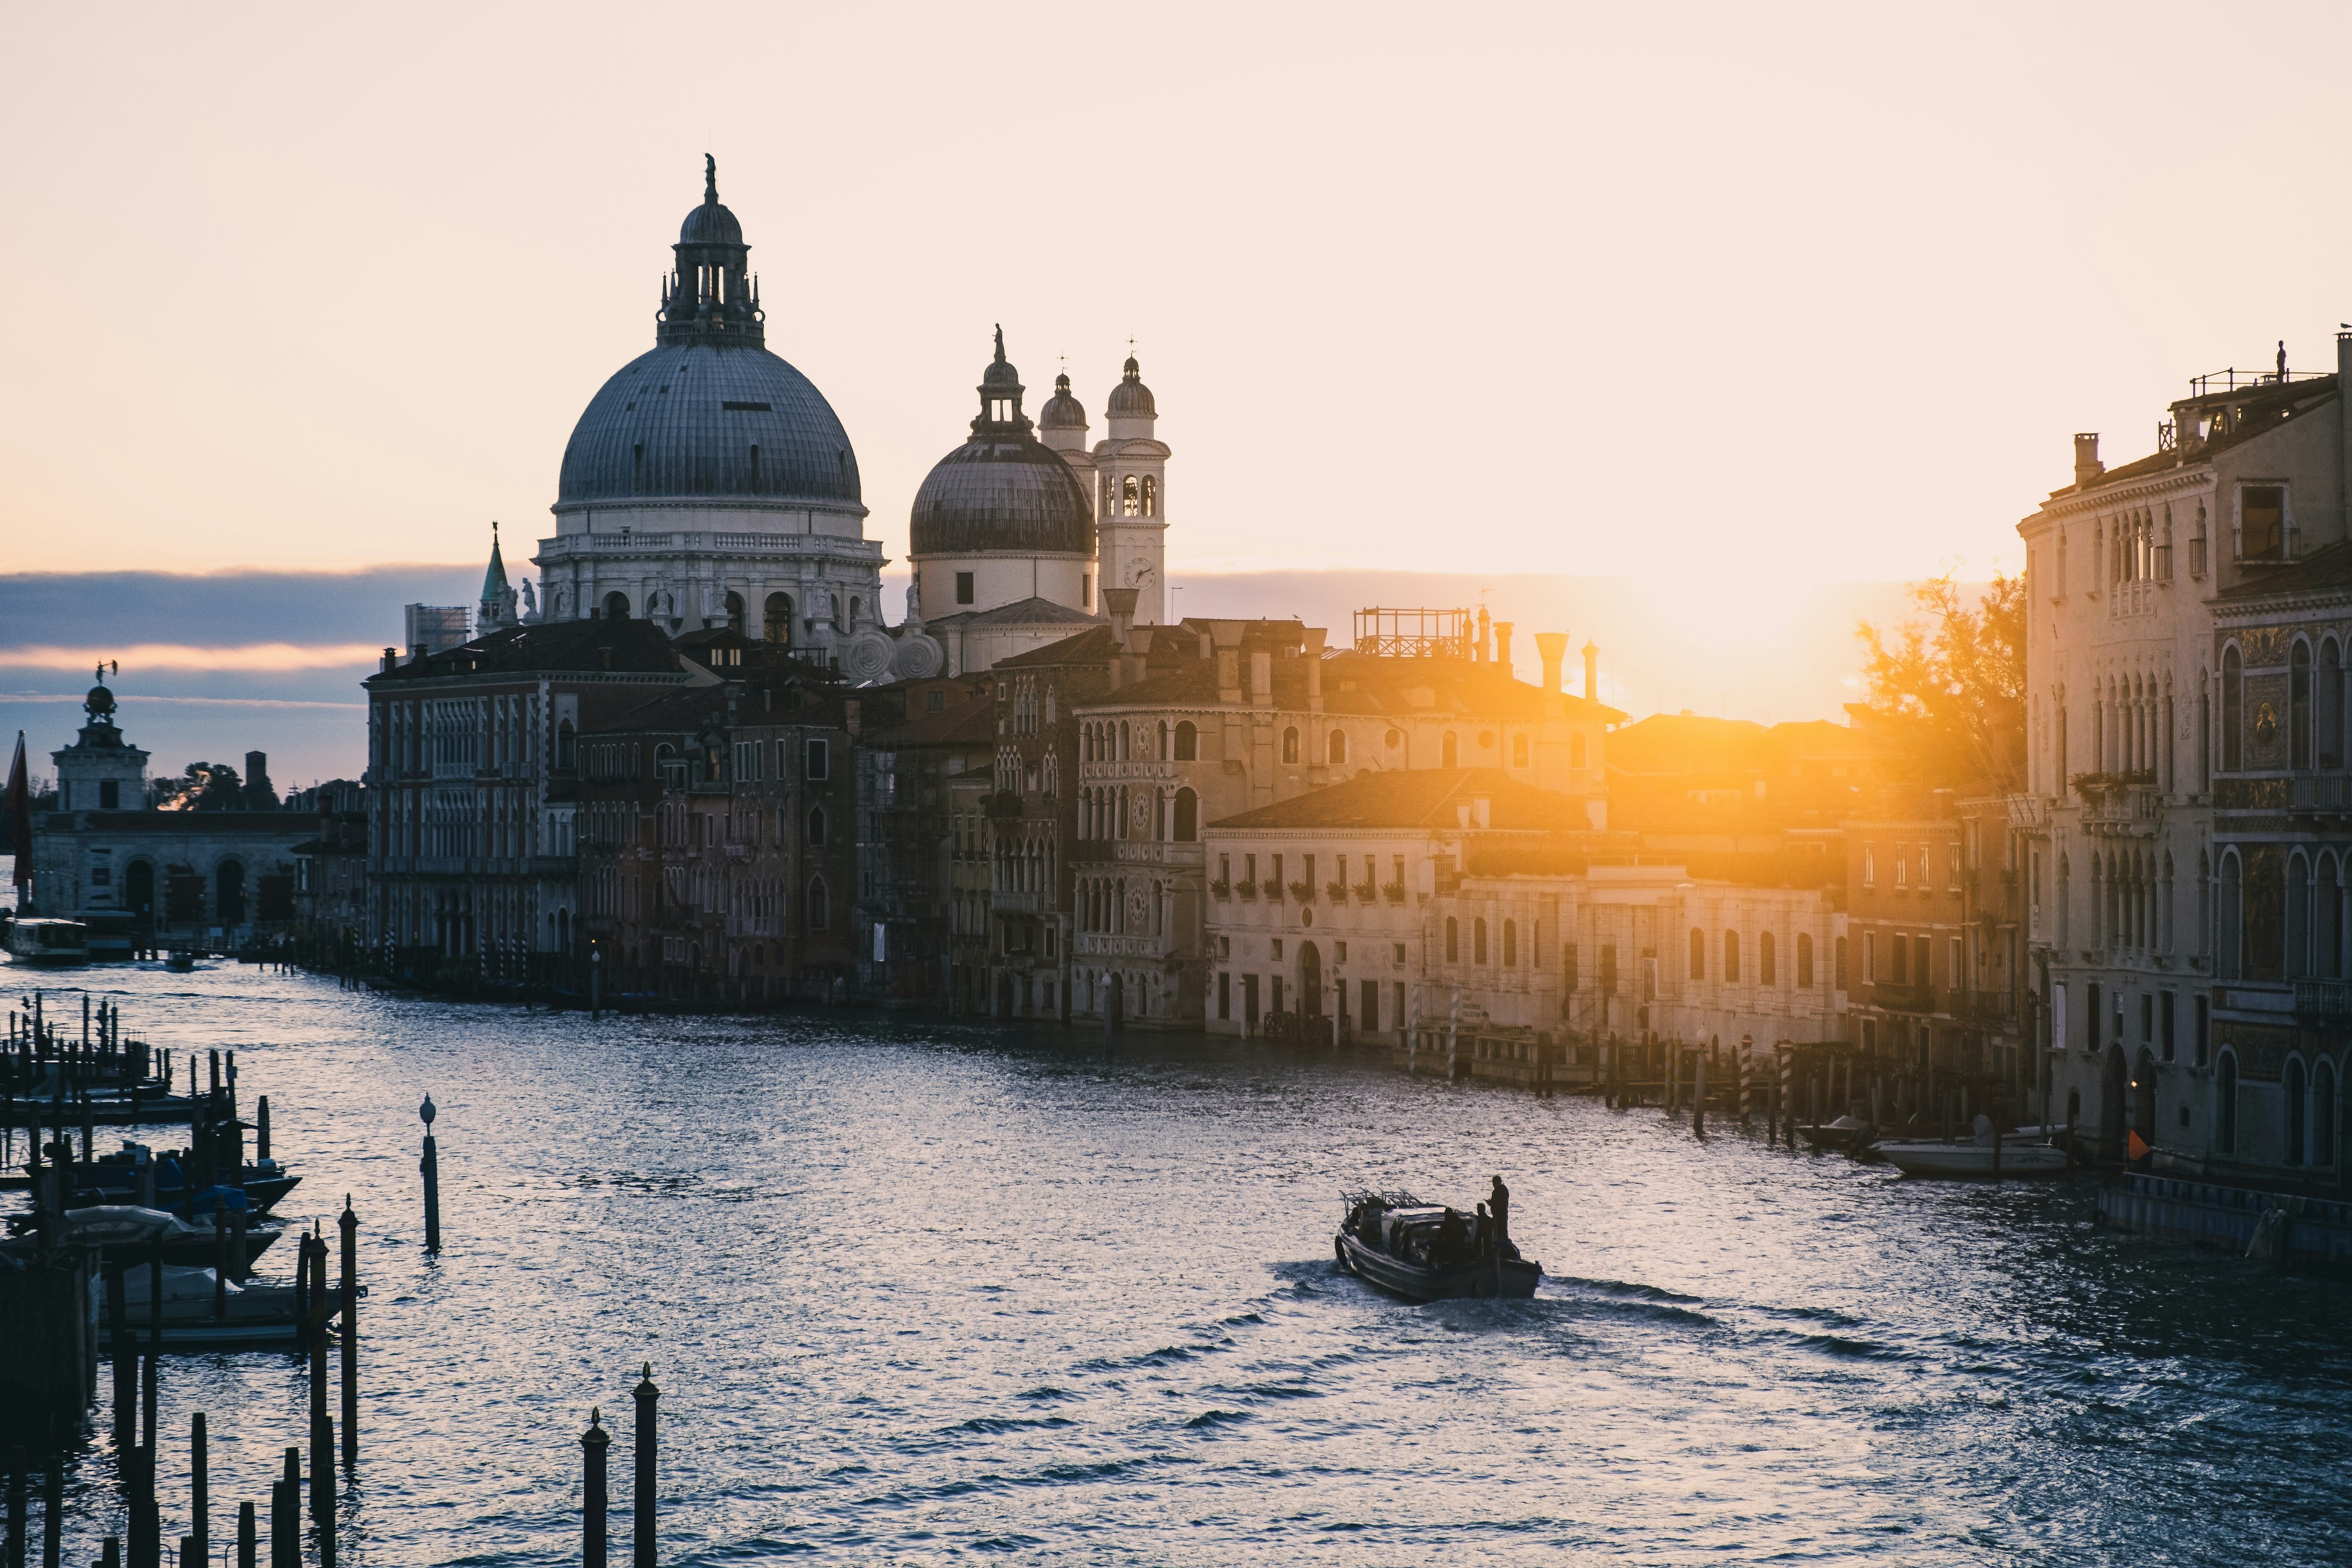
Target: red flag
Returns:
[20, 816]
[2134, 1145]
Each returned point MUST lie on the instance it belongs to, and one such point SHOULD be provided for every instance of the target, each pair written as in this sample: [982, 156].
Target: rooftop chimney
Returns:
[1478, 649]
[2087, 466]
[1503, 644]
[1315, 636]
[1227, 635]
[1119, 604]
[1552, 649]
[1591, 671]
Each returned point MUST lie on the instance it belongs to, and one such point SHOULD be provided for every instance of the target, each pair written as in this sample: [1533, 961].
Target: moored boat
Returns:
[1988, 1153]
[48, 943]
[201, 1311]
[1429, 1252]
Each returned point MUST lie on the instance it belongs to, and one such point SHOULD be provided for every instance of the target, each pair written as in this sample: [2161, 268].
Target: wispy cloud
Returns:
[76, 697]
[263, 658]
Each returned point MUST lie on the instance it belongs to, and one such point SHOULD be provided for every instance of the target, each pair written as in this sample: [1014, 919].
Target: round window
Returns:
[1306, 917]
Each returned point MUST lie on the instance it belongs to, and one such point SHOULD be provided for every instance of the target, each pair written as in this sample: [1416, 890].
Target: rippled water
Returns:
[917, 1293]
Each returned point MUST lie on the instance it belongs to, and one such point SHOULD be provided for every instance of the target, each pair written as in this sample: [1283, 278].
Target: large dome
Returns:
[1001, 492]
[698, 421]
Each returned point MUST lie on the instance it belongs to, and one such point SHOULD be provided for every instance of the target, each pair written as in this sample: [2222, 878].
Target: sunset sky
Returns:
[1732, 302]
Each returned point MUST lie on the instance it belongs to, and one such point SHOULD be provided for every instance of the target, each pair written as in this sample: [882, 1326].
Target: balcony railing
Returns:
[1903, 998]
[2327, 998]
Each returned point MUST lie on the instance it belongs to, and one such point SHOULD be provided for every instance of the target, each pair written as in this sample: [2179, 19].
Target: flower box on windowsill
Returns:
[1222, 890]
[1392, 892]
[1273, 891]
[1247, 890]
[1365, 893]
[1336, 891]
[1303, 892]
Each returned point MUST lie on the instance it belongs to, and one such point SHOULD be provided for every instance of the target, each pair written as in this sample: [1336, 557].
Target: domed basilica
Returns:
[711, 484]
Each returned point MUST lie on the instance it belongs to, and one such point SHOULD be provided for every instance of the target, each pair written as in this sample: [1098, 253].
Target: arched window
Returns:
[1452, 940]
[617, 607]
[2264, 914]
[1478, 940]
[776, 625]
[2327, 920]
[735, 607]
[1163, 740]
[2233, 703]
[1804, 960]
[1290, 745]
[567, 745]
[1130, 496]
[2298, 917]
[1124, 735]
[816, 825]
[2322, 1113]
[1518, 751]
[820, 905]
[1336, 751]
[1188, 741]
[1731, 957]
[2298, 706]
[1511, 944]
[1768, 971]
[1188, 816]
[1698, 953]
[2297, 1109]
[1449, 751]
[2329, 700]
[2233, 916]
[1151, 496]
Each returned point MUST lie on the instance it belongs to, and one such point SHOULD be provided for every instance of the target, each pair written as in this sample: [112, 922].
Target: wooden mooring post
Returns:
[1698, 1095]
[594, 1540]
[642, 1519]
[431, 1168]
[349, 1224]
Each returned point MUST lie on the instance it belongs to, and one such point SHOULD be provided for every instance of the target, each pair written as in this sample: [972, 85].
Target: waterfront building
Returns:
[709, 483]
[2169, 642]
[922, 890]
[1909, 925]
[139, 875]
[1229, 717]
[473, 782]
[1318, 907]
[330, 900]
[718, 847]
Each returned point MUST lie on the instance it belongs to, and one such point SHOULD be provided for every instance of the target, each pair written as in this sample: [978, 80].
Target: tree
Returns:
[203, 786]
[1950, 690]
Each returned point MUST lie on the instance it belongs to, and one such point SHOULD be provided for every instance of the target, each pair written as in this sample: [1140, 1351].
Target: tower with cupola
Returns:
[1130, 480]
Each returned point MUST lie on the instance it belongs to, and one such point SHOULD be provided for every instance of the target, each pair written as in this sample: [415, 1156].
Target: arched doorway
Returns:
[777, 626]
[1311, 981]
[2114, 1083]
[228, 897]
[2143, 1086]
[617, 607]
[139, 894]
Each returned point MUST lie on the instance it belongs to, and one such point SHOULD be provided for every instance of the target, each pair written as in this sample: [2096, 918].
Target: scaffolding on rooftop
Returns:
[1413, 633]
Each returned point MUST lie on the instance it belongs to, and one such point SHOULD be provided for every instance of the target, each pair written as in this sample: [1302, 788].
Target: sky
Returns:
[1725, 305]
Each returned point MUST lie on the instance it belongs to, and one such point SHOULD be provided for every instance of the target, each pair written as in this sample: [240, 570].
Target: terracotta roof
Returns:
[2256, 409]
[1423, 797]
[1022, 613]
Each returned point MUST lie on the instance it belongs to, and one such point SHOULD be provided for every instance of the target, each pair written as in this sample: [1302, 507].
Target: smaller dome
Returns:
[1130, 399]
[711, 224]
[1000, 374]
[1062, 412]
[99, 701]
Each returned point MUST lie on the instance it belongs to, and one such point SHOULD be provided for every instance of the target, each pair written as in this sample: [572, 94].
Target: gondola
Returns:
[1429, 1252]
[132, 1233]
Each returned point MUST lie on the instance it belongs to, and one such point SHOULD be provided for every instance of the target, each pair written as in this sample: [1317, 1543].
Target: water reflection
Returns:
[918, 1292]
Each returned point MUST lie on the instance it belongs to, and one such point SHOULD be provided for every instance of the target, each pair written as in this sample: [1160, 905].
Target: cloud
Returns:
[270, 657]
[76, 697]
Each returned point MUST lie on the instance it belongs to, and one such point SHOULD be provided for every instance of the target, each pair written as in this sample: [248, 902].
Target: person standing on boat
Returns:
[1499, 1200]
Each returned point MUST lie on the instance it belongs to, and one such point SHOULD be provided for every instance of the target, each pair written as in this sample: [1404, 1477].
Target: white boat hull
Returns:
[1974, 1159]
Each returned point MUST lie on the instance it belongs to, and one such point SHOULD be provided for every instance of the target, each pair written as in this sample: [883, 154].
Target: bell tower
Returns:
[1131, 499]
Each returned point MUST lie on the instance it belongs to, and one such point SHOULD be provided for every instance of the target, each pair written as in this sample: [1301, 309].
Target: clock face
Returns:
[1139, 573]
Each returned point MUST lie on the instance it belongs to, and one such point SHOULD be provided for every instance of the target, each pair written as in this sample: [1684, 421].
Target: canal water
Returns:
[917, 1292]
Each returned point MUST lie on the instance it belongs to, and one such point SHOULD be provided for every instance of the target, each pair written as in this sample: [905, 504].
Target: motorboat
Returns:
[1846, 1133]
[201, 1312]
[132, 1234]
[144, 1104]
[1990, 1152]
[49, 943]
[1430, 1252]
